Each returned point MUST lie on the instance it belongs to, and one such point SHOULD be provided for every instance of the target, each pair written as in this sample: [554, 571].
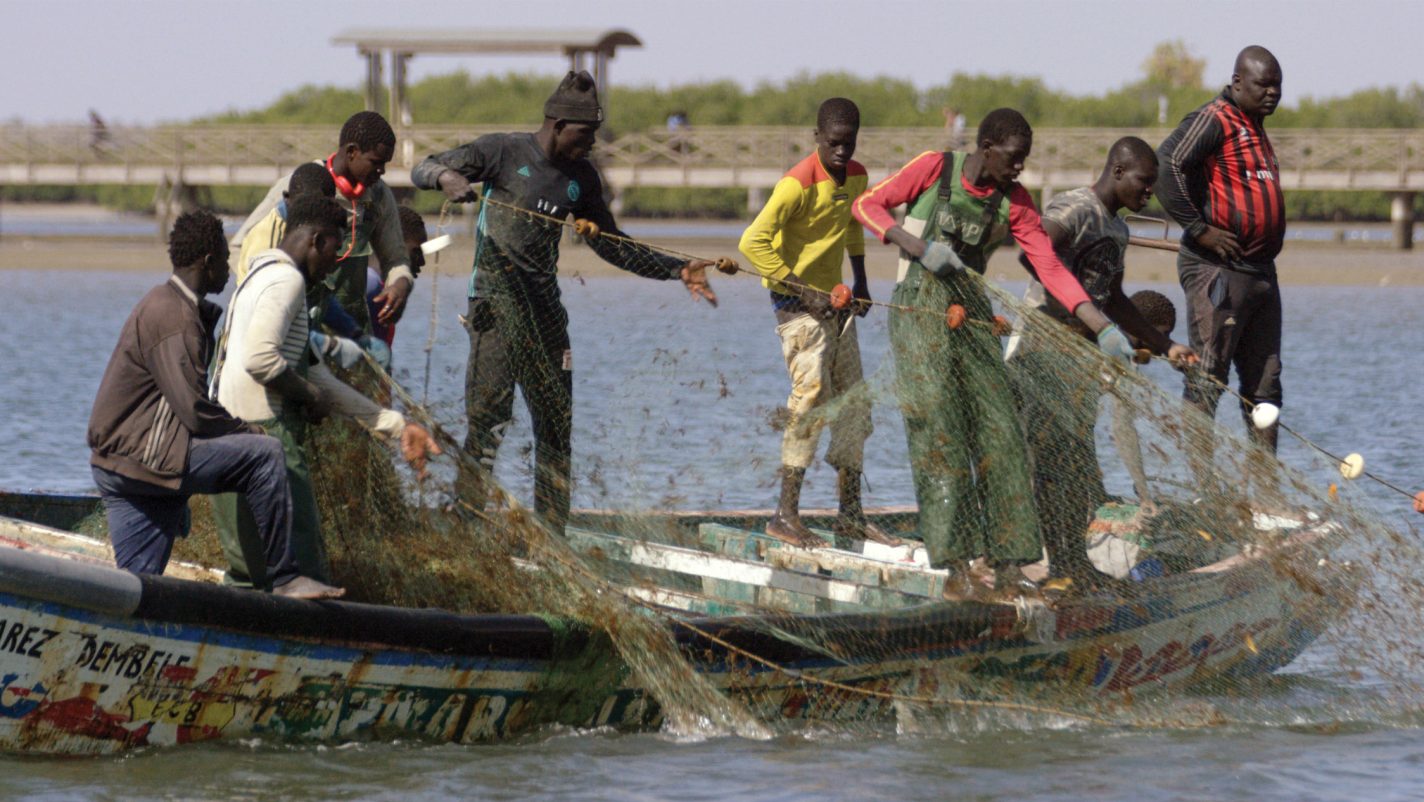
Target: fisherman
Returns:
[1161, 314]
[1220, 181]
[414, 234]
[366, 144]
[266, 372]
[967, 450]
[796, 243]
[338, 338]
[517, 323]
[157, 439]
[1090, 240]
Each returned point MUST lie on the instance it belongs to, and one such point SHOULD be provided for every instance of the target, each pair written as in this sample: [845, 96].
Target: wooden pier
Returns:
[743, 157]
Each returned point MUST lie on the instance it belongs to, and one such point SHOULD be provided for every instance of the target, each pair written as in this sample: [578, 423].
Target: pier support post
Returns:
[1401, 215]
[756, 198]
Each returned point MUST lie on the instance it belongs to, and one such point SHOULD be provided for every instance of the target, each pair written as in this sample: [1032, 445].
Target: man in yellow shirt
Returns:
[797, 243]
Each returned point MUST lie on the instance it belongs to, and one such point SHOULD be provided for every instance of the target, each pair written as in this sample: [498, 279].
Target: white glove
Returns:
[340, 350]
[1113, 342]
[941, 260]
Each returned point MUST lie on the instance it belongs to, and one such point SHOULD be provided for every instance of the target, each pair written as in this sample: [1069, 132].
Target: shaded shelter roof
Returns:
[552, 41]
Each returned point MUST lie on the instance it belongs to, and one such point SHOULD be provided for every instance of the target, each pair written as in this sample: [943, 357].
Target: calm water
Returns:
[671, 407]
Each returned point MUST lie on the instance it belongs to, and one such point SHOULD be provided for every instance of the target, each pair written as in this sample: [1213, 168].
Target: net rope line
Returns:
[730, 267]
[572, 561]
[576, 563]
[1200, 373]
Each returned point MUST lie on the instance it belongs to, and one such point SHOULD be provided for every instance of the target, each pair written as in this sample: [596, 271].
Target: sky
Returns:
[147, 61]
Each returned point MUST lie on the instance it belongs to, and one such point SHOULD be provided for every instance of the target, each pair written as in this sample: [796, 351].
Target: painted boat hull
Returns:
[95, 660]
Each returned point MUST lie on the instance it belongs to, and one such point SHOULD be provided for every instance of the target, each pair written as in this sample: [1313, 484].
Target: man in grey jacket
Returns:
[157, 439]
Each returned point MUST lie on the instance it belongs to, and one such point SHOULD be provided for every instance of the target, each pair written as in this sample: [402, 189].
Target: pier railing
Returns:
[743, 156]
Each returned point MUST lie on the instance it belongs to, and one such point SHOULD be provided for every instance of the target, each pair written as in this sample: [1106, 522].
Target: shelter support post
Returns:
[1401, 215]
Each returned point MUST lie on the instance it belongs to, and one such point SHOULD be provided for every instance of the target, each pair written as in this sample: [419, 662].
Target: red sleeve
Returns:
[1027, 228]
[873, 206]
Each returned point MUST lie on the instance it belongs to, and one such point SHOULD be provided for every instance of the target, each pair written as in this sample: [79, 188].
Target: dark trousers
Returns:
[144, 518]
[513, 345]
[1233, 318]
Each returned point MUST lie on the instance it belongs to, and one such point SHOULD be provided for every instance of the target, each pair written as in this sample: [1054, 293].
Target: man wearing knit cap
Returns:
[517, 323]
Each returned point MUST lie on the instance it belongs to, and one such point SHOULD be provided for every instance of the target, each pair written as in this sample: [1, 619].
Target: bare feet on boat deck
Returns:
[849, 530]
[795, 533]
[304, 587]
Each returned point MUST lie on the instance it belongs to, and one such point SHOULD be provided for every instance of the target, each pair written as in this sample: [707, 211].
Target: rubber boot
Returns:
[785, 523]
[851, 524]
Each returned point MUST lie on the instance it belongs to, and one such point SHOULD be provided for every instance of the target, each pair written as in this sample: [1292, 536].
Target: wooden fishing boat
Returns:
[96, 660]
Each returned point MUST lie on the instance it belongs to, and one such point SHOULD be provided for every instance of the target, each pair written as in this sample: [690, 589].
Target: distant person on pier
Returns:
[366, 144]
[517, 323]
[157, 440]
[797, 243]
[1222, 184]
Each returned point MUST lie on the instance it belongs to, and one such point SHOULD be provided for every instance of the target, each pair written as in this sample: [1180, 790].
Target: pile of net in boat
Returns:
[1204, 563]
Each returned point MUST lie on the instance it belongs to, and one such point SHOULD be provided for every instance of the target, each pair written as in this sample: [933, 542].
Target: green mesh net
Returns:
[1217, 591]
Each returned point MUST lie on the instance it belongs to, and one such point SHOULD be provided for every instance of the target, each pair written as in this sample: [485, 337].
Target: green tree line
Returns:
[1170, 81]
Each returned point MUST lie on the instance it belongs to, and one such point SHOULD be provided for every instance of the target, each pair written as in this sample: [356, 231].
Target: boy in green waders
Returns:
[967, 449]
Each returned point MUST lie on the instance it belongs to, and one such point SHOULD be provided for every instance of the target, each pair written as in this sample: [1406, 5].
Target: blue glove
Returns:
[941, 260]
[1113, 342]
[378, 350]
[340, 350]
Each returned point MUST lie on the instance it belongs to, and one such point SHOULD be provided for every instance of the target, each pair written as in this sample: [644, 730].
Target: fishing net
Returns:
[1186, 577]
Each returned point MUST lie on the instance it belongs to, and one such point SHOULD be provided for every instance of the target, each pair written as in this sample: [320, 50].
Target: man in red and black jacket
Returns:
[1220, 181]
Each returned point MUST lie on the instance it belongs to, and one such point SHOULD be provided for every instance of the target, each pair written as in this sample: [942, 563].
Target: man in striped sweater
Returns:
[1220, 181]
[267, 373]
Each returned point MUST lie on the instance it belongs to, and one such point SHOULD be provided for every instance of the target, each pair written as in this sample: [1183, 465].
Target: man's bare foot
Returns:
[304, 587]
[850, 530]
[795, 533]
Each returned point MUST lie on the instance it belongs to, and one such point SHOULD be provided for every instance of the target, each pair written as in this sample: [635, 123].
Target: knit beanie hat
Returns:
[576, 100]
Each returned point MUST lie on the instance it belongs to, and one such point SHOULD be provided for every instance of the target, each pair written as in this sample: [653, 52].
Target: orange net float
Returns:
[1142, 356]
[840, 297]
[727, 265]
[1002, 328]
[955, 316]
[586, 228]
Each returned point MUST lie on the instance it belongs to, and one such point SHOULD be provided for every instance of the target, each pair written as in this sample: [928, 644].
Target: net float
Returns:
[1002, 328]
[727, 265]
[1264, 415]
[1353, 467]
[954, 317]
[1142, 356]
[840, 297]
[586, 228]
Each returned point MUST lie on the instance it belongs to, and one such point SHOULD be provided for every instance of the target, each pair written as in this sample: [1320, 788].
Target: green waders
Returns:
[1059, 402]
[247, 568]
[967, 448]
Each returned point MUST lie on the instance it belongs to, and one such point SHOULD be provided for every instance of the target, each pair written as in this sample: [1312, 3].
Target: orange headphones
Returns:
[343, 184]
[350, 192]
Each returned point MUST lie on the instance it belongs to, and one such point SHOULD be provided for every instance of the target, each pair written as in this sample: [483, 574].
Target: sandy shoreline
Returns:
[1301, 264]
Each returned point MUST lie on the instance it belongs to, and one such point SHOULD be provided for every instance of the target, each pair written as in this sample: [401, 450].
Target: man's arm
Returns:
[1029, 233]
[622, 252]
[470, 163]
[873, 206]
[1182, 156]
[389, 247]
[269, 202]
[756, 242]
[176, 368]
